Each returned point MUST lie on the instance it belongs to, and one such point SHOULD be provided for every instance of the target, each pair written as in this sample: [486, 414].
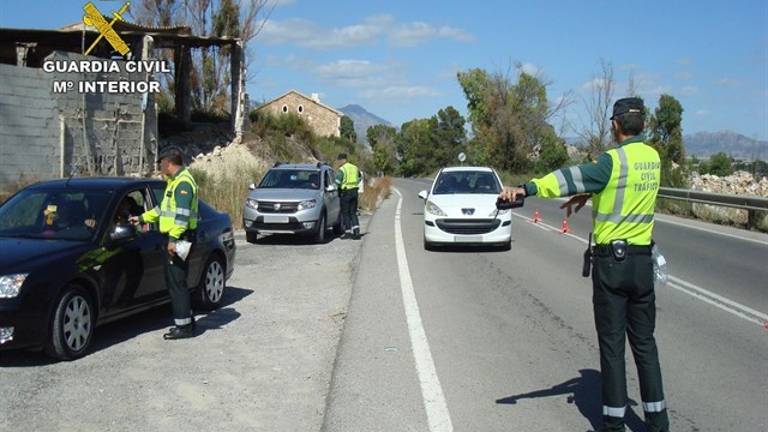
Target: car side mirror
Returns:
[331, 188]
[251, 187]
[423, 194]
[122, 233]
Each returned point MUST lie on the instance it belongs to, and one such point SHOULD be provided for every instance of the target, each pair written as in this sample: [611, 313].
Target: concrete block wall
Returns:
[29, 126]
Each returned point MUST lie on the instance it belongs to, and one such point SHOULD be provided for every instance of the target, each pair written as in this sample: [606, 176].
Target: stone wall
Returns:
[739, 183]
[323, 121]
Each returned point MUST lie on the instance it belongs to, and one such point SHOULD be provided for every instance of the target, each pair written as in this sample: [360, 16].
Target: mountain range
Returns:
[363, 120]
[738, 146]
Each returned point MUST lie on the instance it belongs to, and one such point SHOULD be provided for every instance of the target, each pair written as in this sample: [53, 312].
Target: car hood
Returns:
[453, 205]
[16, 253]
[283, 195]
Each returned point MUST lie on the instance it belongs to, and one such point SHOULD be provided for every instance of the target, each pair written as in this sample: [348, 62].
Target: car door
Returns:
[332, 199]
[133, 272]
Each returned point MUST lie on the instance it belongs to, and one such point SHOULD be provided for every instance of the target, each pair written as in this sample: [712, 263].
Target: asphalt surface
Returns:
[262, 362]
[511, 334]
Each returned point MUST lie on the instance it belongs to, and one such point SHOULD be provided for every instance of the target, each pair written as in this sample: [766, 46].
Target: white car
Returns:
[460, 208]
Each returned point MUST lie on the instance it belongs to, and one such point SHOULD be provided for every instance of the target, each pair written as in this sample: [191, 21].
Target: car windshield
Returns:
[467, 182]
[291, 179]
[53, 214]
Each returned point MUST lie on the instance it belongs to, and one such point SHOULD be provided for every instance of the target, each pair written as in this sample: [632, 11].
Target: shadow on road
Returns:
[584, 392]
[468, 248]
[128, 328]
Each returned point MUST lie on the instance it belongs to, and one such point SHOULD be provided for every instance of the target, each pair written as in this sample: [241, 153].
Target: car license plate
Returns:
[276, 219]
[468, 239]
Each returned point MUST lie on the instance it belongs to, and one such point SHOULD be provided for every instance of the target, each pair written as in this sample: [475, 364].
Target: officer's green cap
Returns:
[628, 105]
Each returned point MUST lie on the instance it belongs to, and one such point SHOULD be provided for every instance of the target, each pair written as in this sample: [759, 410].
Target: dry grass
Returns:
[375, 192]
[227, 192]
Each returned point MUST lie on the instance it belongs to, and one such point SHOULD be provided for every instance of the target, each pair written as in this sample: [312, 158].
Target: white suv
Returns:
[460, 208]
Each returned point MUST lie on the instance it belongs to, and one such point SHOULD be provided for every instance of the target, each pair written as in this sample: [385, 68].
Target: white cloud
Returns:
[529, 68]
[356, 73]
[685, 61]
[594, 83]
[308, 34]
[278, 3]
[400, 92]
[683, 76]
[728, 82]
[702, 113]
[414, 33]
[689, 90]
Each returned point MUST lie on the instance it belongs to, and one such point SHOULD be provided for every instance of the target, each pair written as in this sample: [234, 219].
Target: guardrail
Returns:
[750, 203]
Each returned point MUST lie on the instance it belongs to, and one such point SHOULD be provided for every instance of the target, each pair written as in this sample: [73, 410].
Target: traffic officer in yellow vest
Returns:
[623, 184]
[348, 178]
[177, 215]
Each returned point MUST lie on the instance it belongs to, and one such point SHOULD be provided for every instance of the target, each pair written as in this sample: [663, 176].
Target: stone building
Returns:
[324, 120]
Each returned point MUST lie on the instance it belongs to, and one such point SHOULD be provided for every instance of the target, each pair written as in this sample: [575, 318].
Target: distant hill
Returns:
[705, 144]
[363, 120]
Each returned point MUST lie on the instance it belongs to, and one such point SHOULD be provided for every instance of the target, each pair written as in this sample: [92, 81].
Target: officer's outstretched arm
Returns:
[579, 179]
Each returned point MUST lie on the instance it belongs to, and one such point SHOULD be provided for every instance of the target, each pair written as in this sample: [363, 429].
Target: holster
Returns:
[587, 265]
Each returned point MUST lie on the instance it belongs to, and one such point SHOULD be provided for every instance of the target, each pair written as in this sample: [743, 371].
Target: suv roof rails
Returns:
[277, 164]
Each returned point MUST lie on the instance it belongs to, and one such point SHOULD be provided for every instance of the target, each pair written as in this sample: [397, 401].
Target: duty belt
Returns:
[620, 248]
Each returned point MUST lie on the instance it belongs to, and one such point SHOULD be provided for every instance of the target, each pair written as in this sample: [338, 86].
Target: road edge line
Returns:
[438, 417]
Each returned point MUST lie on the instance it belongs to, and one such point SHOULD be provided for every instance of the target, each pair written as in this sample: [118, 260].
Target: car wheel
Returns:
[251, 236]
[72, 326]
[212, 284]
[320, 230]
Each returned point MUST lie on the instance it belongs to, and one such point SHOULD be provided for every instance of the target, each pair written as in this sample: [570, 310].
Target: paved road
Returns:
[511, 334]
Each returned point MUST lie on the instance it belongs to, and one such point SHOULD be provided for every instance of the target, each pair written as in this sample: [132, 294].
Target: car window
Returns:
[291, 179]
[467, 182]
[131, 204]
[54, 214]
[328, 180]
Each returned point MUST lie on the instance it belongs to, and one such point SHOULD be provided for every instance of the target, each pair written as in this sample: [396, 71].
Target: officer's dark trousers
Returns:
[624, 303]
[349, 219]
[176, 281]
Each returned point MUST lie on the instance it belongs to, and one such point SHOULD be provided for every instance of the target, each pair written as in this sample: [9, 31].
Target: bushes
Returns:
[380, 188]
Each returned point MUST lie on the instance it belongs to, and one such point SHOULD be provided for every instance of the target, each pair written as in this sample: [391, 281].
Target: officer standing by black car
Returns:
[623, 184]
[177, 215]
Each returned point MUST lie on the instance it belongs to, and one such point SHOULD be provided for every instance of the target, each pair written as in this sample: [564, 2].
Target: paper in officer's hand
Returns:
[182, 249]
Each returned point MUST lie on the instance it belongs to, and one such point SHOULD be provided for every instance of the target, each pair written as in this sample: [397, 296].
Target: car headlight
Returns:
[11, 284]
[433, 209]
[252, 203]
[500, 212]
[308, 204]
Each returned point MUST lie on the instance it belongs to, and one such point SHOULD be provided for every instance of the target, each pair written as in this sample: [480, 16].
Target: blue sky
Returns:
[399, 58]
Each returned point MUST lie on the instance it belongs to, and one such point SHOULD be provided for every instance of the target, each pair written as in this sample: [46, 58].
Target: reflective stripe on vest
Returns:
[624, 209]
[170, 215]
[350, 176]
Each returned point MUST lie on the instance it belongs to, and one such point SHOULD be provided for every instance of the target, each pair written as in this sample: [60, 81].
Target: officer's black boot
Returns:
[180, 332]
[356, 234]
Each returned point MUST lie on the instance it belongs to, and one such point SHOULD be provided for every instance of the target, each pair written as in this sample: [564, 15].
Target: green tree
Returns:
[553, 154]
[416, 144]
[667, 137]
[380, 133]
[347, 129]
[451, 135]
[720, 164]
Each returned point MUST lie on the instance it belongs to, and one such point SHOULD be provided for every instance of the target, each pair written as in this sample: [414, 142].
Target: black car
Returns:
[70, 261]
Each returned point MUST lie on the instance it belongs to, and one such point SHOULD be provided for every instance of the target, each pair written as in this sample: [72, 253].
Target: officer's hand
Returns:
[171, 248]
[134, 220]
[511, 193]
[577, 200]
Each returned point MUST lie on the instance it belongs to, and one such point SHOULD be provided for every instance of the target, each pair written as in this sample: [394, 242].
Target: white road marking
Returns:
[723, 303]
[438, 417]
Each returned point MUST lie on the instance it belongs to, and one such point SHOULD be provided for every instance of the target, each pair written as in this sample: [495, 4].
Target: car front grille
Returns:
[277, 207]
[468, 226]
